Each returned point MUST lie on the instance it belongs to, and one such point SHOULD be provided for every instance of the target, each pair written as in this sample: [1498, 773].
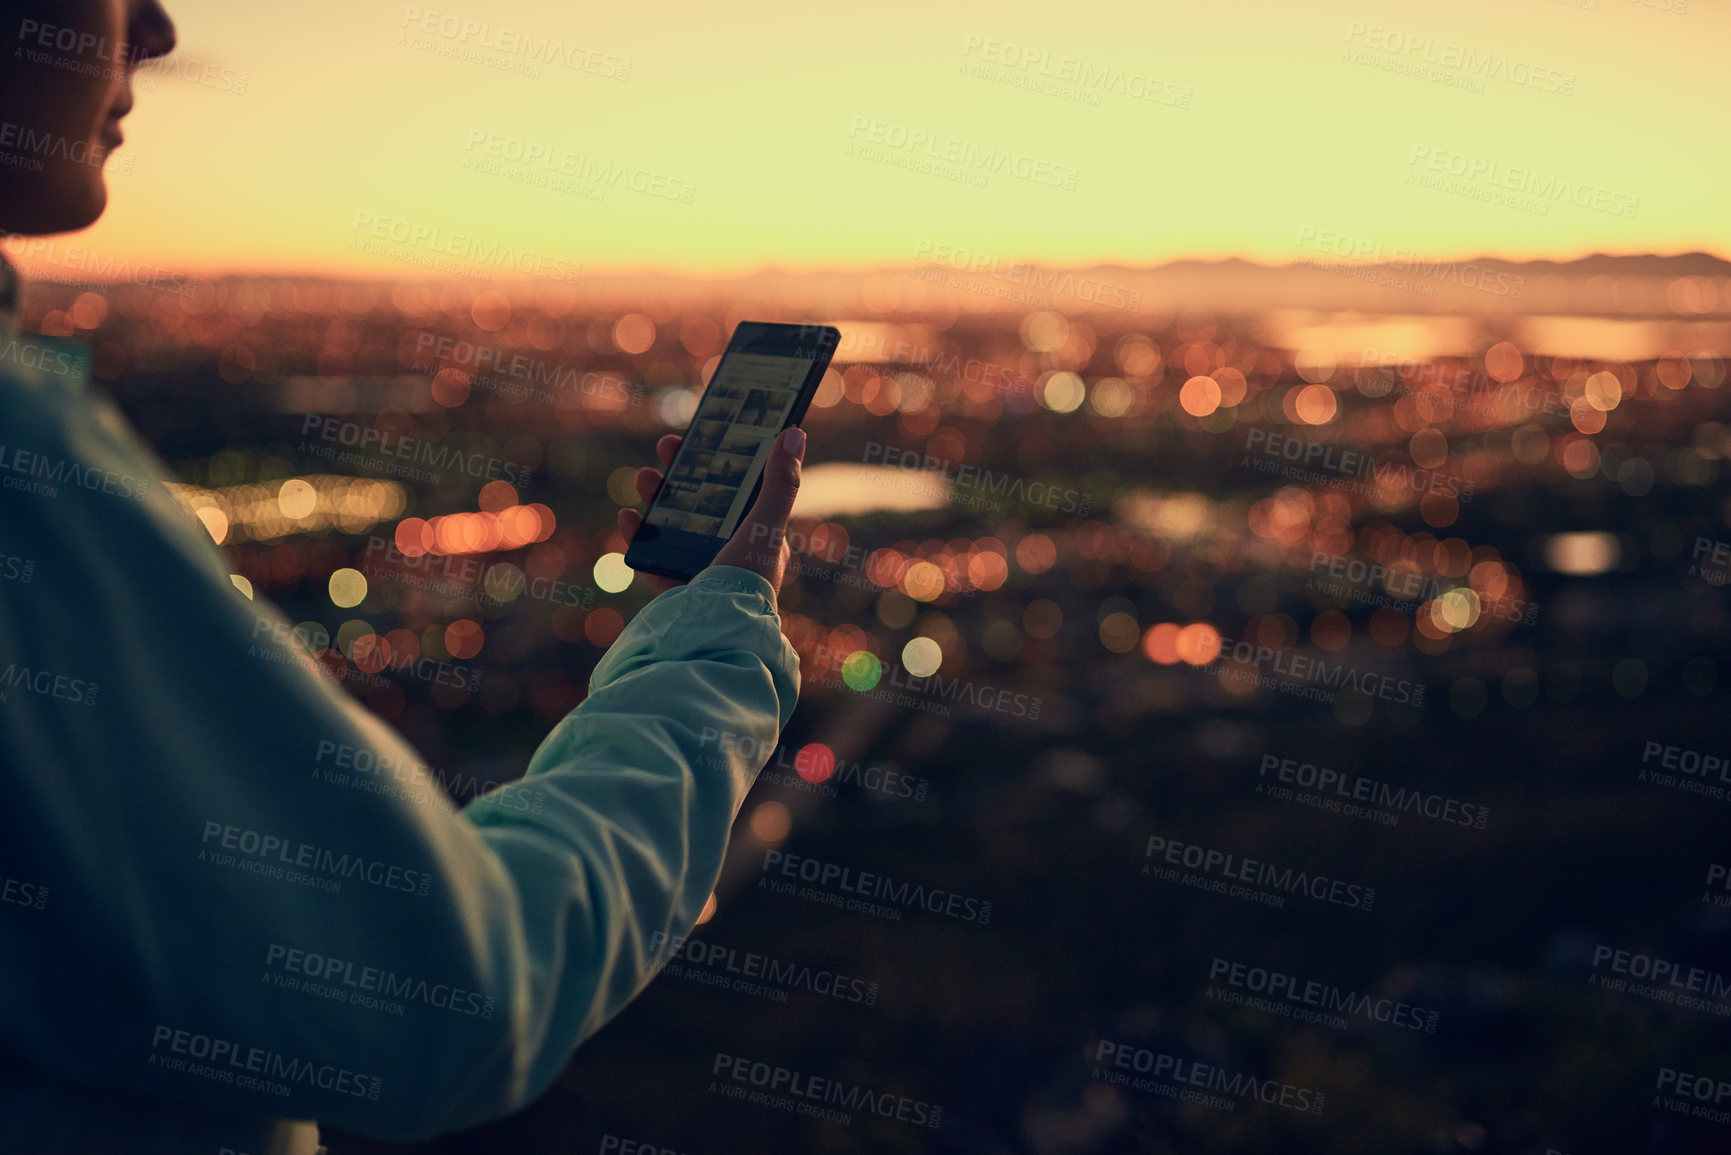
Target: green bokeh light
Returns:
[862, 670]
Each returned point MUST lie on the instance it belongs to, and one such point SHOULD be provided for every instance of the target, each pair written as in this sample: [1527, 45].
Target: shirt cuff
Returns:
[737, 580]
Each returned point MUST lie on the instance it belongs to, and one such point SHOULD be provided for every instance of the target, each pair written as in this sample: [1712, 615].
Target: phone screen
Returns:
[711, 479]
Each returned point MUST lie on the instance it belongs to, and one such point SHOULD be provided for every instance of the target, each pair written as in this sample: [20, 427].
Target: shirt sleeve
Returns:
[247, 893]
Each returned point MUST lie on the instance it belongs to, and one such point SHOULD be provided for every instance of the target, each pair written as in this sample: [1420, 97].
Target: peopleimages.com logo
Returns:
[1232, 868]
[1278, 992]
[1116, 1061]
[934, 147]
[256, 1068]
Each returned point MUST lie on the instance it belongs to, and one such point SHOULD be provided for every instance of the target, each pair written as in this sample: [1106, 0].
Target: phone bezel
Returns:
[676, 553]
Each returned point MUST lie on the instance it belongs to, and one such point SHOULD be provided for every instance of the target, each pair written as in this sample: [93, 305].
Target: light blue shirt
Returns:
[233, 899]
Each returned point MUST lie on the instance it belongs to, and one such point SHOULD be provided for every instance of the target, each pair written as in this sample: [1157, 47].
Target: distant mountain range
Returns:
[1686, 286]
[1693, 286]
[1643, 265]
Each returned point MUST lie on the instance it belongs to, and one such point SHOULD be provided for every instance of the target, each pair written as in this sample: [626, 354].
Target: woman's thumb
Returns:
[774, 502]
[758, 543]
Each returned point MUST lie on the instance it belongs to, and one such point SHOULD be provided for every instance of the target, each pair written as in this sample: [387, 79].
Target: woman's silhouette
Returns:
[185, 889]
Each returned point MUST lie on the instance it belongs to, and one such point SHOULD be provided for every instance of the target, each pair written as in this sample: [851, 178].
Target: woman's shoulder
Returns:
[51, 371]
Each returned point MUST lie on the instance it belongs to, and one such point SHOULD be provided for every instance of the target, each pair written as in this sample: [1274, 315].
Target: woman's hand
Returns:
[760, 542]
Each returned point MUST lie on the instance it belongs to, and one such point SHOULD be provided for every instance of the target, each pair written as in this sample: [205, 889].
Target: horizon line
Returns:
[37, 245]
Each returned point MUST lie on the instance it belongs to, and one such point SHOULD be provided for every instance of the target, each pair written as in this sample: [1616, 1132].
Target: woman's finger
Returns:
[629, 520]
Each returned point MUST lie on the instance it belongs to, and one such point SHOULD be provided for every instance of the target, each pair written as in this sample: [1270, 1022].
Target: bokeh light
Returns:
[921, 657]
[348, 588]
[771, 822]
[612, 575]
[861, 670]
[1200, 396]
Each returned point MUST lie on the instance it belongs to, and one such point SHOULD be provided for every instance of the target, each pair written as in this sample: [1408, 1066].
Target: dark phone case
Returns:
[795, 415]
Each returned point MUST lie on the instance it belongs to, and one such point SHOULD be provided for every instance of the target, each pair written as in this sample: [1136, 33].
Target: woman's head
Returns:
[65, 82]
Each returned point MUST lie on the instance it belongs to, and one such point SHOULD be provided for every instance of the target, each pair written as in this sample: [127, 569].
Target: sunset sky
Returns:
[369, 112]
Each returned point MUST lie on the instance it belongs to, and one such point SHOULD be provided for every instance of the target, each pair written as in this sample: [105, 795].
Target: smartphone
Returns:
[763, 384]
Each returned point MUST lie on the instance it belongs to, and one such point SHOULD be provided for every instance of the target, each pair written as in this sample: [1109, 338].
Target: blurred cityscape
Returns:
[1358, 625]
